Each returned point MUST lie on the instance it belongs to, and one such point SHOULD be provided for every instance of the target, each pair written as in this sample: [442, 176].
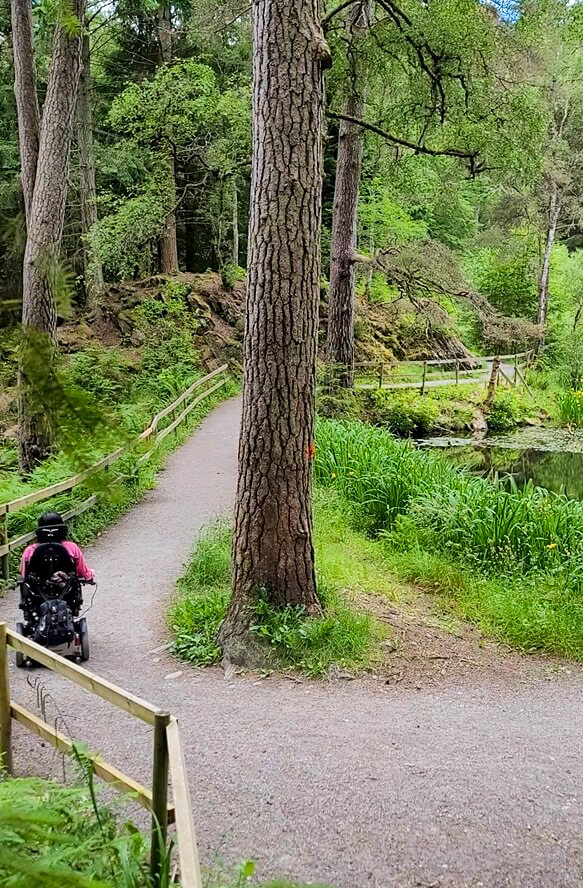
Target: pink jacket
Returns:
[84, 572]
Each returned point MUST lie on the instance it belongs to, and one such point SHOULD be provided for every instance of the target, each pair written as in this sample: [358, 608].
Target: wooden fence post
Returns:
[457, 371]
[159, 797]
[424, 377]
[5, 716]
[382, 375]
[5, 560]
[515, 368]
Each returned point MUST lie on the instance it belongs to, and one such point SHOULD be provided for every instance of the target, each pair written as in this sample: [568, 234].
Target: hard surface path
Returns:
[349, 783]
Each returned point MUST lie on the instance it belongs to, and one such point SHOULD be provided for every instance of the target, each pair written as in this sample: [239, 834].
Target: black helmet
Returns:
[51, 528]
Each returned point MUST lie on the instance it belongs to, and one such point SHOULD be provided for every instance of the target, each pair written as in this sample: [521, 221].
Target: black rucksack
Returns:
[55, 626]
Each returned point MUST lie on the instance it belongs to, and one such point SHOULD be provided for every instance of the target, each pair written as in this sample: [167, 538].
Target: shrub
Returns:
[506, 411]
[99, 371]
[407, 414]
[231, 274]
[339, 402]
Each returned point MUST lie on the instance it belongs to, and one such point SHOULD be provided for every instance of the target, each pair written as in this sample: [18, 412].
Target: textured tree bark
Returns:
[93, 271]
[168, 242]
[235, 257]
[273, 553]
[340, 338]
[543, 289]
[45, 230]
[26, 96]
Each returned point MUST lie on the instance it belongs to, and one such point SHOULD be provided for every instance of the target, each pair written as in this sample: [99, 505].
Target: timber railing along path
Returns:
[168, 757]
[177, 412]
[470, 370]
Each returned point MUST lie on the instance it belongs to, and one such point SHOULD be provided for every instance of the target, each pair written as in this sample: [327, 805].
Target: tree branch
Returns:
[414, 146]
[336, 11]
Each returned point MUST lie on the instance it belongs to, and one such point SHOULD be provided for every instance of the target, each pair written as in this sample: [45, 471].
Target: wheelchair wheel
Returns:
[20, 658]
[84, 636]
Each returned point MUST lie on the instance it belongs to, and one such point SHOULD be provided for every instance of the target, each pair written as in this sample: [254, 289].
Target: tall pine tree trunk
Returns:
[552, 222]
[168, 242]
[93, 271]
[273, 552]
[235, 223]
[25, 93]
[44, 234]
[340, 339]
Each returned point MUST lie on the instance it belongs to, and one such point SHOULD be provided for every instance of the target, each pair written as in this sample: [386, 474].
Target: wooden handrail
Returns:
[440, 361]
[168, 761]
[85, 679]
[185, 832]
[104, 462]
[120, 781]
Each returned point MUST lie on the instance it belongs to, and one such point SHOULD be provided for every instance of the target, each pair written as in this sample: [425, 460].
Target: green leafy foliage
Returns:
[571, 408]
[53, 836]
[122, 239]
[508, 279]
[406, 414]
[506, 410]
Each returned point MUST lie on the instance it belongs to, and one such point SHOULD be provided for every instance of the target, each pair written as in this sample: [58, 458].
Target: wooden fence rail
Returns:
[168, 757]
[452, 371]
[152, 436]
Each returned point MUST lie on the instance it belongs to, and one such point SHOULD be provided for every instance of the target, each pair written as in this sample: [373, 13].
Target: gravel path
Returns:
[350, 783]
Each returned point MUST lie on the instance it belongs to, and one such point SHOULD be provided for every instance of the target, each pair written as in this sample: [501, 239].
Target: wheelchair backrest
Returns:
[48, 559]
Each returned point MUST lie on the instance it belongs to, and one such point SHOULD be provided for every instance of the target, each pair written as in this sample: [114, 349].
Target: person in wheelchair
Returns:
[52, 529]
[53, 571]
[53, 565]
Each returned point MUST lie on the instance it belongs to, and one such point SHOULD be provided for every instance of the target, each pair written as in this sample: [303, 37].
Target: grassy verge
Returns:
[349, 566]
[56, 836]
[508, 559]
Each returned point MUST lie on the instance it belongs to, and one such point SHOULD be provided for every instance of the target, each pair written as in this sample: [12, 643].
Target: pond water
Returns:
[551, 458]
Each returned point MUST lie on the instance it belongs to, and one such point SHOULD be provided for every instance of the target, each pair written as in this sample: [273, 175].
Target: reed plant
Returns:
[494, 525]
[571, 408]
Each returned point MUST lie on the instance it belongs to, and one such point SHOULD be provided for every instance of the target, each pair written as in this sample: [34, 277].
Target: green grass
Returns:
[509, 559]
[349, 565]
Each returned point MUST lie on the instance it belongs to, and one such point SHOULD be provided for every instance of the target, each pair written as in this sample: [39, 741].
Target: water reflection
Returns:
[557, 470]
